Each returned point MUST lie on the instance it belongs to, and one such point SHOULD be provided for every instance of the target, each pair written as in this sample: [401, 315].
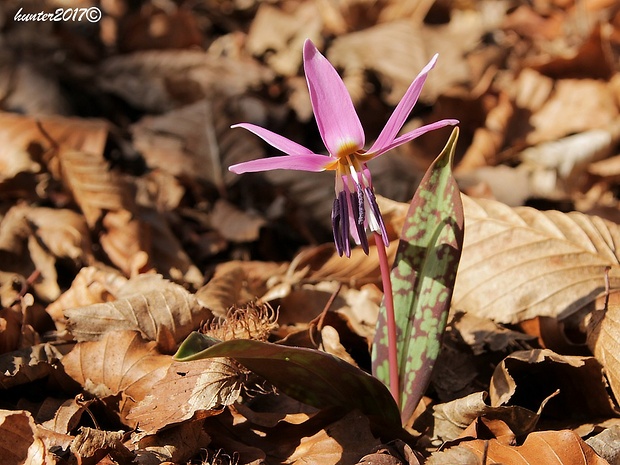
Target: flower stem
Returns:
[388, 300]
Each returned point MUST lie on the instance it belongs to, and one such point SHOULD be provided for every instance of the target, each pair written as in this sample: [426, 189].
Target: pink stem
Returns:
[388, 299]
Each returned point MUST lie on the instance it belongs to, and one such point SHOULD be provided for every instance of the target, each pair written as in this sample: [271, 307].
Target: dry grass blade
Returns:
[521, 263]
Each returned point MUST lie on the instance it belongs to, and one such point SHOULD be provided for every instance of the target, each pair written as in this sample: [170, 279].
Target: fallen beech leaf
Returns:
[178, 142]
[236, 283]
[94, 444]
[452, 418]
[30, 364]
[521, 263]
[603, 331]
[92, 285]
[529, 378]
[19, 134]
[120, 364]
[62, 416]
[575, 106]
[166, 314]
[279, 35]
[17, 435]
[234, 224]
[93, 185]
[176, 445]
[160, 80]
[126, 241]
[548, 447]
[191, 390]
[345, 441]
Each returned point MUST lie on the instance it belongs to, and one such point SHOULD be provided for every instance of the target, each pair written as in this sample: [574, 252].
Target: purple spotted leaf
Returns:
[310, 376]
[423, 277]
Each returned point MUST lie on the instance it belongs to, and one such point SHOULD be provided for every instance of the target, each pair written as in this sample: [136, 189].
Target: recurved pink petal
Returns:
[310, 162]
[276, 140]
[335, 114]
[415, 134]
[402, 110]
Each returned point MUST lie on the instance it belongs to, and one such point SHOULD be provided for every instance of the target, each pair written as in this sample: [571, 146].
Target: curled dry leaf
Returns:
[92, 285]
[279, 35]
[30, 364]
[93, 185]
[120, 364]
[607, 444]
[452, 418]
[18, 442]
[345, 441]
[166, 314]
[521, 263]
[548, 447]
[175, 445]
[236, 225]
[189, 391]
[603, 331]
[562, 387]
[94, 444]
[161, 80]
[126, 241]
[236, 283]
[48, 235]
[192, 142]
[19, 135]
[575, 106]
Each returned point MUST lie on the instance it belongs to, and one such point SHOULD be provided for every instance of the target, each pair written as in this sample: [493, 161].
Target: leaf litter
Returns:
[122, 231]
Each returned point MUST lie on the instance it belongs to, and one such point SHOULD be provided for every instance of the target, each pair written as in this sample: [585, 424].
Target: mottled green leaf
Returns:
[310, 376]
[423, 277]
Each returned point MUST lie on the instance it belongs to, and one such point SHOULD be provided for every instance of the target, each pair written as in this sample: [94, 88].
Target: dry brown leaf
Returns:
[94, 444]
[196, 141]
[48, 235]
[192, 390]
[236, 283]
[21, 138]
[164, 312]
[279, 35]
[30, 364]
[490, 139]
[345, 441]
[60, 415]
[92, 285]
[93, 185]
[120, 364]
[175, 445]
[162, 80]
[521, 263]
[603, 331]
[18, 441]
[452, 418]
[548, 447]
[126, 242]
[324, 264]
[575, 106]
[166, 252]
[482, 334]
[236, 225]
[532, 378]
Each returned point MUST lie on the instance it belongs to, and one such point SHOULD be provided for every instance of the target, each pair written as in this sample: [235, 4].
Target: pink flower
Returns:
[355, 208]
